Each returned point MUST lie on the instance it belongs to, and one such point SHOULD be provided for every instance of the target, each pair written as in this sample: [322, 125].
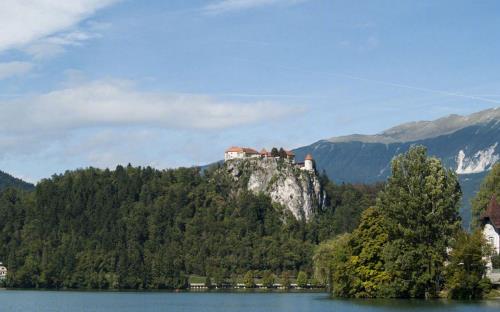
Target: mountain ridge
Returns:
[470, 150]
[425, 129]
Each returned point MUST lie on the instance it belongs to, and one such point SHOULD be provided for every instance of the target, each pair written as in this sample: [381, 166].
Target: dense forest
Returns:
[142, 228]
[6, 181]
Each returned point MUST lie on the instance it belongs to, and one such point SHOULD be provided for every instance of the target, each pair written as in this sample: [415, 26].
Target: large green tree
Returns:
[399, 248]
[366, 264]
[420, 204]
[489, 187]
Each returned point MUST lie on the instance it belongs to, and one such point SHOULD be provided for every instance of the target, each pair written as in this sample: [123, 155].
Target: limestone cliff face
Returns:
[297, 190]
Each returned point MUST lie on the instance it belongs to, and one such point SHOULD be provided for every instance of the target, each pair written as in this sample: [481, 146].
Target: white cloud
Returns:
[11, 69]
[54, 45]
[103, 123]
[223, 6]
[108, 103]
[23, 23]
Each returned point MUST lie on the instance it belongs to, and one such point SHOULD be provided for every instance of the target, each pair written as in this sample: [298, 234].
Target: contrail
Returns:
[387, 83]
[259, 95]
[398, 85]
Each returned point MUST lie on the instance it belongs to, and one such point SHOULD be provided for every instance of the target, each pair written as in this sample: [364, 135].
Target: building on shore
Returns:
[3, 271]
[490, 220]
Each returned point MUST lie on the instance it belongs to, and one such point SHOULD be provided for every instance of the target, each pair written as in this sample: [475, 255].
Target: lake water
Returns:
[59, 301]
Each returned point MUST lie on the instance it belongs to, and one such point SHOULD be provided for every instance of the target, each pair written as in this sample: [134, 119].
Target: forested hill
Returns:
[6, 180]
[144, 228]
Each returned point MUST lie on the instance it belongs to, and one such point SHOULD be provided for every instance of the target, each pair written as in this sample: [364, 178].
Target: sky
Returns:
[174, 83]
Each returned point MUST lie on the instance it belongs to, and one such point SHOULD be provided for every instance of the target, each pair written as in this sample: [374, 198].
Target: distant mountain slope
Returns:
[419, 130]
[7, 180]
[470, 145]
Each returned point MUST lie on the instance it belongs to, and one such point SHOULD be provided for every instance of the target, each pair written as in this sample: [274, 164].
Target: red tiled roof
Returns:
[492, 212]
[234, 149]
[289, 153]
[263, 151]
[309, 157]
[249, 150]
[238, 149]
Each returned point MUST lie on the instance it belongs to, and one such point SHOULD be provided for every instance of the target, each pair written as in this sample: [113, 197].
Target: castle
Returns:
[236, 152]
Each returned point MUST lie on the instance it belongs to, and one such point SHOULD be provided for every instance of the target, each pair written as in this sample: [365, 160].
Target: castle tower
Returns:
[309, 163]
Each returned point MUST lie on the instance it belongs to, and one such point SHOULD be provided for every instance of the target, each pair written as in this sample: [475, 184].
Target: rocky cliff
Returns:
[297, 190]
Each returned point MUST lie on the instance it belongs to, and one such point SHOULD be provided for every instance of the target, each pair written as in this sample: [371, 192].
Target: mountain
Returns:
[6, 180]
[419, 130]
[467, 144]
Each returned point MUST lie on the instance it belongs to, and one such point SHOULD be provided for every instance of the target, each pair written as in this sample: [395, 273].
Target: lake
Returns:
[59, 301]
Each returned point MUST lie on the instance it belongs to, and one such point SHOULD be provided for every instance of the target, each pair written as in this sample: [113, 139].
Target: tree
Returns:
[399, 248]
[331, 261]
[208, 282]
[366, 264]
[248, 280]
[420, 204]
[302, 279]
[466, 268]
[285, 279]
[495, 261]
[282, 153]
[268, 279]
[275, 152]
[489, 187]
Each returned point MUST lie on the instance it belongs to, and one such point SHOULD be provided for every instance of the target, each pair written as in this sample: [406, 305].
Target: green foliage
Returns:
[282, 153]
[369, 278]
[208, 282]
[330, 265]
[399, 247]
[285, 279]
[489, 187]
[268, 279]
[495, 261]
[466, 268]
[141, 228]
[8, 181]
[420, 204]
[344, 206]
[302, 279]
[275, 152]
[249, 280]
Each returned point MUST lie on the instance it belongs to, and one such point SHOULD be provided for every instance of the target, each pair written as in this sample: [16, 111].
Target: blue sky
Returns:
[173, 83]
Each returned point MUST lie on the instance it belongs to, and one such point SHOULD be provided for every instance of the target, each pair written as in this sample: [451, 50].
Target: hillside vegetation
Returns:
[143, 228]
[6, 180]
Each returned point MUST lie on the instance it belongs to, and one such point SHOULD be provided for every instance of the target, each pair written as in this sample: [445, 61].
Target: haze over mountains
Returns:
[467, 144]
